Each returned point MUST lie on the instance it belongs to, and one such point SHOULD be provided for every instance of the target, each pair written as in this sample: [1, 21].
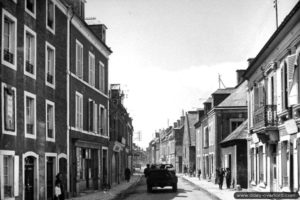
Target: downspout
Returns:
[70, 15]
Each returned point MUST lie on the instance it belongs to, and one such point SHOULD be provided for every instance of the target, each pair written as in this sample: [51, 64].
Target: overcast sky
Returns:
[167, 54]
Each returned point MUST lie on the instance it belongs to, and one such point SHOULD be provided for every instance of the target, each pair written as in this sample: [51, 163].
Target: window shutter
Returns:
[16, 176]
[90, 107]
[283, 86]
[279, 89]
[256, 98]
[291, 68]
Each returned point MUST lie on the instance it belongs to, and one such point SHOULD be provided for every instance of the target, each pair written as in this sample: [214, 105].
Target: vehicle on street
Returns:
[161, 177]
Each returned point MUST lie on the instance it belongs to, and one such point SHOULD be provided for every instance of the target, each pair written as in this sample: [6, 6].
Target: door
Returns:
[50, 179]
[29, 178]
[104, 163]
[274, 174]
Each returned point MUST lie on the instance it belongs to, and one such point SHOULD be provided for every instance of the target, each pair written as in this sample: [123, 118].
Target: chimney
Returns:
[250, 61]
[178, 123]
[99, 30]
[239, 75]
[182, 120]
[78, 7]
[175, 125]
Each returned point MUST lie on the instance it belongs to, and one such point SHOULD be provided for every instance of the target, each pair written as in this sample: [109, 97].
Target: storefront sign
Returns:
[291, 126]
[117, 148]
[255, 138]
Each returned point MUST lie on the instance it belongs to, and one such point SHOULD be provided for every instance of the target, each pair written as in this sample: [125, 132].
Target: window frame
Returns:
[235, 120]
[101, 77]
[53, 113]
[76, 61]
[33, 96]
[32, 33]
[15, 170]
[14, 20]
[91, 77]
[48, 45]
[31, 13]
[52, 30]
[81, 114]
[4, 131]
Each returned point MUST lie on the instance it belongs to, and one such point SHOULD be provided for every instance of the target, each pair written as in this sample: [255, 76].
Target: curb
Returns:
[215, 197]
[123, 193]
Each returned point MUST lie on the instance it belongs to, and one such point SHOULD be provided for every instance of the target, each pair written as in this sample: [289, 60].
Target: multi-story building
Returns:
[88, 102]
[189, 141]
[178, 137]
[224, 111]
[273, 85]
[33, 97]
[121, 131]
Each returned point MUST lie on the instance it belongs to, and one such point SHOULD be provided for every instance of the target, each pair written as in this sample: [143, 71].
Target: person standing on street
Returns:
[146, 170]
[228, 178]
[221, 178]
[59, 188]
[127, 174]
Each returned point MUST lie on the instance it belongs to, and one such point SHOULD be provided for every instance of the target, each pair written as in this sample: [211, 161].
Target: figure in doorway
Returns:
[127, 174]
[59, 189]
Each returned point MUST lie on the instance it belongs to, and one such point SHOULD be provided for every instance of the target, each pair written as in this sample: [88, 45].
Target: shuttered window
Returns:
[79, 59]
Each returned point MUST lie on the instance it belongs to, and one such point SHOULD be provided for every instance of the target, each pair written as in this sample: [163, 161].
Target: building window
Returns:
[91, 69]
[30, 7]
[9, 40]
[102, 77]
[234, 123]
[252, 164]
[9, 109]
[30, 52]
[50, 121]
[259, 95]
[30, 115]
[102, 121]
[92, 116]
[50, 17]
[7, 170]
[79, 59]
[79, 111]
[50, 65]
[260, 164]
[206, 137]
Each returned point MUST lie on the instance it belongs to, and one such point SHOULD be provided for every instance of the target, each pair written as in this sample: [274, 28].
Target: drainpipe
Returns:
[70, 15]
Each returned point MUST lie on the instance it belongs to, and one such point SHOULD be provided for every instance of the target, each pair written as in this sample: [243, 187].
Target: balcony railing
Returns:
[29, 67]
[9, 57]
[265, 116]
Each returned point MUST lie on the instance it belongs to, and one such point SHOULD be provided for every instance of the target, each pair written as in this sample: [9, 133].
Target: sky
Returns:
[168, 54]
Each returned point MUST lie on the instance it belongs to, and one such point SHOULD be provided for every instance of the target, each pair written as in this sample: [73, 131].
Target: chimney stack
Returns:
[239, 75]
[250, 61]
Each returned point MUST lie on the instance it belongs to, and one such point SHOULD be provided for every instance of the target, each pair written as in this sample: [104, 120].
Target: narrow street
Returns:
[186, 190]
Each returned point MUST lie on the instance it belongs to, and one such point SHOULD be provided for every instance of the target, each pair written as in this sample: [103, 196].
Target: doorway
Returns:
[29, 177]
[273, 159]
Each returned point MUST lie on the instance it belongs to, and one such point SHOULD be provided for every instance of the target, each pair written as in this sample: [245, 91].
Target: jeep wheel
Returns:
[149, 188]
[174, 188]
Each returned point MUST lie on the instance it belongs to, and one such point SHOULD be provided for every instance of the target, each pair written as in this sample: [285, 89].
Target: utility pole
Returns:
[220, 82]
[276, 12]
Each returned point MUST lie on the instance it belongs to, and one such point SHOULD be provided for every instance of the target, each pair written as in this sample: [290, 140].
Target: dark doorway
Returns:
[104, 163]
[50, 179]
[29, 178]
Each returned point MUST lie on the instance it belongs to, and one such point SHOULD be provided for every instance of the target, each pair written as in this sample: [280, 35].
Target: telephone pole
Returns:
[276, 12]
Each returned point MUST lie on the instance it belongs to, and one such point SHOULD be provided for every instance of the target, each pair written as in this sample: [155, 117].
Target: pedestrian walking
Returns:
[59, 188]
[146, 170]
[217, 176]
[199, 173]
[221, 178]
[185, 170]
[228, 178]
[127, 174]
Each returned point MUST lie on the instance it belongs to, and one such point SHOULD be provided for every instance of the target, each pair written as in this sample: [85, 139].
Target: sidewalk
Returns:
[113, 192]
[211, 188]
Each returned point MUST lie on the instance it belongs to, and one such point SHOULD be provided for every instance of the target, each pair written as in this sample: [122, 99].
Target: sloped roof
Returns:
[237, 98]
[240, 133]
[224, 91]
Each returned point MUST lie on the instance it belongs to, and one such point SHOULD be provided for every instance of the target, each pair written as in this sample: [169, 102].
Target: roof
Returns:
[240, 133]
[228, 90]
[236, 98]
[276, 34]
